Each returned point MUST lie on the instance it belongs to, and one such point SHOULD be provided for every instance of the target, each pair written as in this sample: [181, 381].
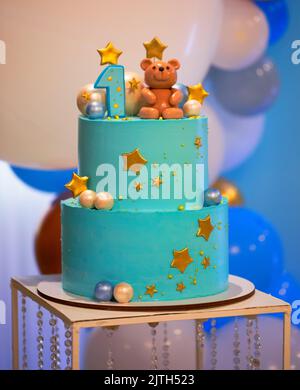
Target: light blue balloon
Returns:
[255, 250]
[95, 110]
[250, 91]
[104, 291]
[185, 93]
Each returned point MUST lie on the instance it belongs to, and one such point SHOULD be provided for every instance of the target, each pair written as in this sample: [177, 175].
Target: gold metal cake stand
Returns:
[243, 301]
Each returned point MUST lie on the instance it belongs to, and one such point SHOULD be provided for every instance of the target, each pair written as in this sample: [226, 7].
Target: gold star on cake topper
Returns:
[206, 262]
[77, 185]
[197, 92]
[151, 290]
[205, 228]
[133, 161]
[198, 142]
[180, 287]
[154, 48]
[181, 259]
[109, 54]
[134, 84]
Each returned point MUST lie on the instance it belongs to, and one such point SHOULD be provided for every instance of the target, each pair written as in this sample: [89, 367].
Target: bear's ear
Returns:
[175, 63]
[145, 63]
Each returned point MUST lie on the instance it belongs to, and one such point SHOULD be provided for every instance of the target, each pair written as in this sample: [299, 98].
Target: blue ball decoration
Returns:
[95, 110]
[250, 91]
[212, 197]
[255, 250]
[277, 14]
[104, 291]
[46, 180]
[185, 93]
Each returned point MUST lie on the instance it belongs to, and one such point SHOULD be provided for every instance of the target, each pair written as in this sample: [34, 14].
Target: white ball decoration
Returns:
[87, 198]
[104, 201]
[192, 108]
[133, 87]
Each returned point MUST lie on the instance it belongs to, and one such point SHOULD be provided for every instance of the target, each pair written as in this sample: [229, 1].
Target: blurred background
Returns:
[245, 53]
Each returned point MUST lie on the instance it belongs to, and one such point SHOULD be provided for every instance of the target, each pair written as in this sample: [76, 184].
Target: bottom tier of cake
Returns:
[164, 255]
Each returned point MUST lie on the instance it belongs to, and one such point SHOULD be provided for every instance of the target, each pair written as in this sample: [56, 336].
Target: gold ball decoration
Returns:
[123, 292]
[89, 94]
[104, 201]
[87, 198]
[230, 191]
[133, 91]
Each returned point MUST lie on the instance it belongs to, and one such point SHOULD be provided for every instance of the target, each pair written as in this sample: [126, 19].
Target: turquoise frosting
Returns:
[137, 247]
[135, 241]
[159, 141]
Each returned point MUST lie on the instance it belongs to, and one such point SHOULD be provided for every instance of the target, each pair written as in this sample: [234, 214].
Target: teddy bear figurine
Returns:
[161, 100]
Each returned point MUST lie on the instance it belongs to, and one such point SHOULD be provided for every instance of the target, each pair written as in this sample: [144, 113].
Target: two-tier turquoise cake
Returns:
[142, 224]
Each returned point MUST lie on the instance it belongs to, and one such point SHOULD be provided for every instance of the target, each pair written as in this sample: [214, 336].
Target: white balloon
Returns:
[52, 53]
[242, 135]
[216, 143]
[244, 35]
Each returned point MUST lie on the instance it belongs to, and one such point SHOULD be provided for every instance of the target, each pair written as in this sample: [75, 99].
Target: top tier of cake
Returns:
[171, 155]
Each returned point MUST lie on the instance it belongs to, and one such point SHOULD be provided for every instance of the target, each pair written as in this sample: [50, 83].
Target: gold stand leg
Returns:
[287, 341]
[75, 347]
[15, 328]
[199, 350]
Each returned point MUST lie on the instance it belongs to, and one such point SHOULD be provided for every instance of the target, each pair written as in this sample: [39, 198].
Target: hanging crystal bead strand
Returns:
[54, 344]
[24, 334]
[68, 347]
[154, 358]
[257, 347]
[200, 341]
[110, 360]
[249, 333]
[166, 347]
[40, 338]
[213, 345]
[236, 346]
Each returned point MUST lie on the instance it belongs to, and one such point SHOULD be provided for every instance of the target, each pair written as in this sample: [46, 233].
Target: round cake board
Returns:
[238, 290]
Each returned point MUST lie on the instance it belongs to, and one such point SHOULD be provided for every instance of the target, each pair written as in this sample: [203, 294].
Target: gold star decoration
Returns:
[133, 161]
[151, 290]
[181, 259]
[157, 181]
[138, 187]
[180, 287]
[197, 92]
[109, 54]
[154, 48]
[206, 262]
[134, 84]
[85, 95]
[205, 228]
[198, 142]
[77, 185]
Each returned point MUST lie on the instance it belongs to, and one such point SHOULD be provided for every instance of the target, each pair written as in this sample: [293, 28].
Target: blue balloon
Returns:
[277, 14]
[250, 91]
[46, 180]
[104, 291]
[255, 250]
